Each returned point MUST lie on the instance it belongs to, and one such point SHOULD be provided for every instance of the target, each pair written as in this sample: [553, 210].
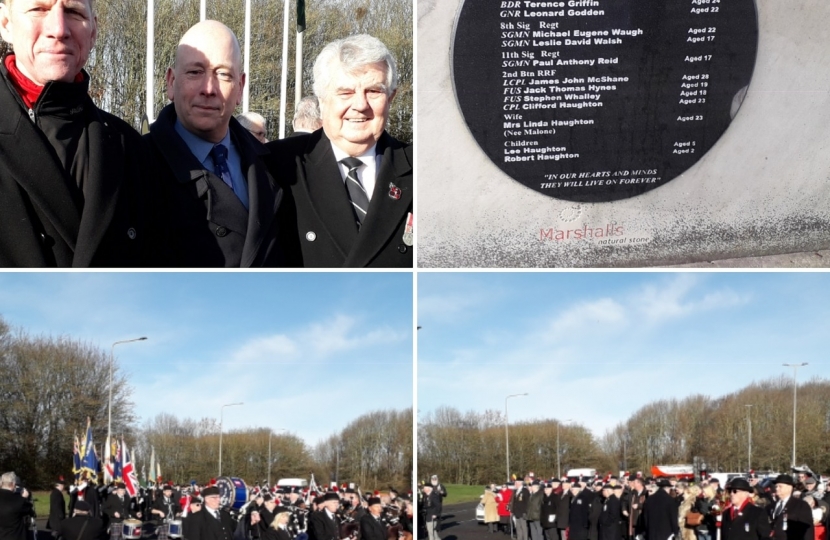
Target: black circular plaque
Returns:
[599, 100]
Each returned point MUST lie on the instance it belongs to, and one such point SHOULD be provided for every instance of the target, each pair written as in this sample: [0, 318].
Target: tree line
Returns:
[49, 386]
[708, 432]
[117, 63]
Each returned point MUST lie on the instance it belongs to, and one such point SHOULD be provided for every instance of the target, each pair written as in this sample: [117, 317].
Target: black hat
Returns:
[331, 496]
[208, 491]
[195, 500]
[784, 479]
[167, 487]
[374, 500]
[83, 506]
[632, 477]
[267, 497]
[607, 486]
[619, 486]
[663, 483]
[120, 485]
[741, 484]
[281, 510]
[535, 483]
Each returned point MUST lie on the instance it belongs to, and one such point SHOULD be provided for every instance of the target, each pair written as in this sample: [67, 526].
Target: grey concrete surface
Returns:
[762, 191]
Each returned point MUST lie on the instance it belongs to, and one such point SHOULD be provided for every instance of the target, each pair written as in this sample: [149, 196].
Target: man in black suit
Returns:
[211, 522]
[579, 513]
[371, 528]
[15, 509]
[324, 523]
[220, 201]
[119, 506]
[792, 518]
[660, 514]
[57, 508]
[609, 518]
[82, 526]
[348, 186]
[743, 520]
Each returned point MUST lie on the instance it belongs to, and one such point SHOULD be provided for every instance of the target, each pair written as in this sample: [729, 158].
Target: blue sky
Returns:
[596, 346]
[287, 345]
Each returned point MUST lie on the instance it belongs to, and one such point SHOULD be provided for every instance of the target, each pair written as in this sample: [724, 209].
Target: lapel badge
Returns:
[394, 192]
[408, 236]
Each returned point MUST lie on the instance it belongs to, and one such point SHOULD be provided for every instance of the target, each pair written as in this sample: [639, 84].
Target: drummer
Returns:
[166, 506]
[118, 507]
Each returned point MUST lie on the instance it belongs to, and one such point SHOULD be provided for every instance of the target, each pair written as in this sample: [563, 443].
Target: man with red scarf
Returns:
[742, 520]
[70, 190]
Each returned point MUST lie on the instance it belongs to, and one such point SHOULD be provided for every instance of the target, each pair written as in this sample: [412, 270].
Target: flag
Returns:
[128, 471]
[76, 458]
[118, 463]
[108, 461]
[300, 16]
[89, 460]
[152, 475]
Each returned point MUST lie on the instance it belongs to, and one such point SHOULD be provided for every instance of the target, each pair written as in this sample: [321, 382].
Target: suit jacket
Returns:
[14, 510]
[319, 224]
[799, 521]
[123, 507]
[579, 515]
[202, 525]
[635, 512]
[660, 516]
[40, 222]
[371, 528]
[57, 509]
[207, 224]
[563, 509]
[751, 523]
[321, 527]
[609, 519]
[70, 529]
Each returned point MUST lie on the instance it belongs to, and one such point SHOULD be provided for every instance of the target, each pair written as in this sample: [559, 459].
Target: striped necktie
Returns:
[357, 193]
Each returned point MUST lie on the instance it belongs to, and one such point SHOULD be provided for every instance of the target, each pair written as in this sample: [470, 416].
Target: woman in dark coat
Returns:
[278, 529]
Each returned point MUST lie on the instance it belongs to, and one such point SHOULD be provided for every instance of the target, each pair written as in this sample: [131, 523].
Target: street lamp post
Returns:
[795, 388]
[558, 471]
[506, 437]
[749, 437]
[270, 432]
[112, 361]
[221, 419]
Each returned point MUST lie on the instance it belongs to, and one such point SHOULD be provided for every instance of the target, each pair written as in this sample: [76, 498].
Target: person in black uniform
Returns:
[195, 507]
[118, 507]
[609, 518]
[57, 508]
[791, 517]
[547, 516]
[211, 522]
[595, 511]
[636, 500]
[432, 507]
[324, 523]
[743, 520]
[563, 508]
[278, 530]
[16, 510]
[82, 526]
[166, 506]
[579, 515]
[660, 514]
[518, 507]
[371, 527]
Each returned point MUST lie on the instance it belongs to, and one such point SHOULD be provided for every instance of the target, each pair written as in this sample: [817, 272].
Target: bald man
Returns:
[220, 200]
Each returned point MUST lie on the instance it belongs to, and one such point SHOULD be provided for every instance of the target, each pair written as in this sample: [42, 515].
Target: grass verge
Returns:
[458, 493]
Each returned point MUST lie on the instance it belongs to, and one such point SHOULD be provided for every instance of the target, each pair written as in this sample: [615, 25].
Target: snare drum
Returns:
[233, 492]
[131, 529]
[174, 528]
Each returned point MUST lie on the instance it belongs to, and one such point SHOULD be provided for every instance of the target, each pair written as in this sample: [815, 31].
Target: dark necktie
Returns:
[360, 201]
[219, 155]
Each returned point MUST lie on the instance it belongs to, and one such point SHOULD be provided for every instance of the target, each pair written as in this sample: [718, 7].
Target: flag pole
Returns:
[284, 76]
[150, 54]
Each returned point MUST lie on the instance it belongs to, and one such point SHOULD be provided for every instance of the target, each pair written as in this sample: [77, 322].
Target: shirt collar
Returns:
[364, 157]
[198, 146]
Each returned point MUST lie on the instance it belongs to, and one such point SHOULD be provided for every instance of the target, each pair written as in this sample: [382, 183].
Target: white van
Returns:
[581, 473]
[292, 482]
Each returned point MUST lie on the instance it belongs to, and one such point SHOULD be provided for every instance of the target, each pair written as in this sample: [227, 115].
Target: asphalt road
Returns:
[460, 523]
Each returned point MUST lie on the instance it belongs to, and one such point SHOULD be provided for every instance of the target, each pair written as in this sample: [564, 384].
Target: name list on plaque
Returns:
[600, 100]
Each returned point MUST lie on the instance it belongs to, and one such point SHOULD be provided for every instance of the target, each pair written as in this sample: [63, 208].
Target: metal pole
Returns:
[246, 88]
[112, 361]
[284, 75]
[558, 471]
[269, 457]
[795, 402]
[506, 436]
[202, 11]
[221, 420]
[150, 54]
[749, 436]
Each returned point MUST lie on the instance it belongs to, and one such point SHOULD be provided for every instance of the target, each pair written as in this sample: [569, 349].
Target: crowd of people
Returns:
[634, 507]
[194, 512]
[80, 187]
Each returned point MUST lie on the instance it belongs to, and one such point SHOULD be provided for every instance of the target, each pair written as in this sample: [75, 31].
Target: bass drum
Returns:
[233, 493]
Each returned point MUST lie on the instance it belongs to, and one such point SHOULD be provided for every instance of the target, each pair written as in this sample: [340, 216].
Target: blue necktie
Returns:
[219, 155]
